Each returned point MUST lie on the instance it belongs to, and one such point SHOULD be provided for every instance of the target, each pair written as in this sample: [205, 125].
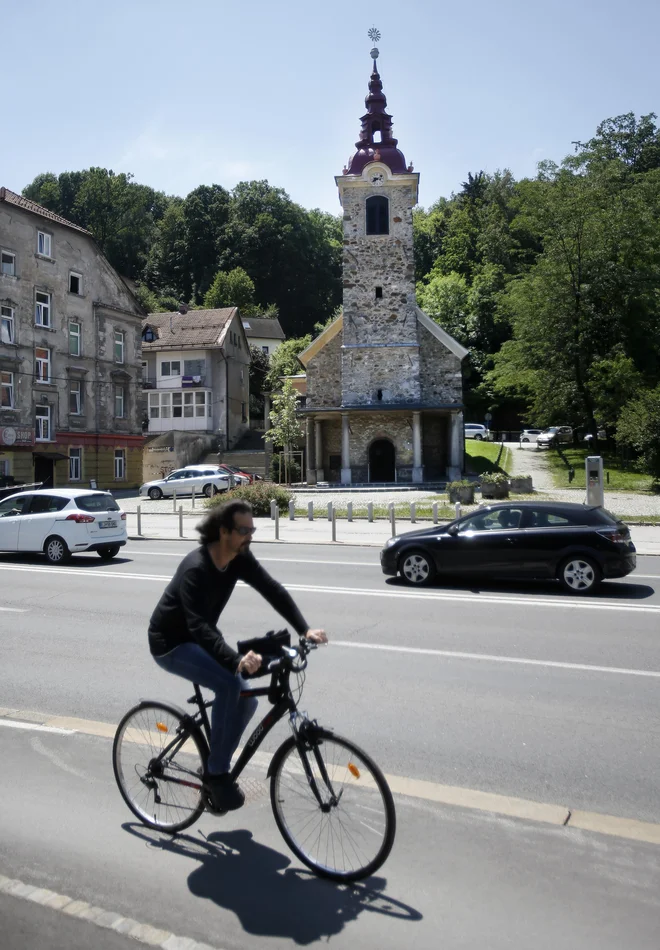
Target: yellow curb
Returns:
[618, 827]
[87, 726]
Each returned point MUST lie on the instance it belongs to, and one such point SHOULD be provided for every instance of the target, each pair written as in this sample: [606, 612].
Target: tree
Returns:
[205, 220]
[231, 289]
[286, 429]
[284, 361]
[639, 428]
[259, 366]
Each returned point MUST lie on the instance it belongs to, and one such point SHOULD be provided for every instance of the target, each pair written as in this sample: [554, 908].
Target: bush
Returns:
[464, 483]
[259, 496]
[294, 469]
[495, 478]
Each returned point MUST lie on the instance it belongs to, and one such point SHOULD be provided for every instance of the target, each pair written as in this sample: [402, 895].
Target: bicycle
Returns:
[330, 800]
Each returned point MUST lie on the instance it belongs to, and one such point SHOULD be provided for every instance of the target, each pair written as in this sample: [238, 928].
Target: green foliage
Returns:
[231, 289]
[495, 478]
[639, 428]
[286, 428]
[284, 361]
[259, 495]
[278, 469]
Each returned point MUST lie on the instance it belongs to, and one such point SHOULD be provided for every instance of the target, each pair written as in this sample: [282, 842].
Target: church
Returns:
[384, 388]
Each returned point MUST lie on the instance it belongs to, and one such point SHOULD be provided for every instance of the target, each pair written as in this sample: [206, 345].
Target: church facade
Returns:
[384, 382]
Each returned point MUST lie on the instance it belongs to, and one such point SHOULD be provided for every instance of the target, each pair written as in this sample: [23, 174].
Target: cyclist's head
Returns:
[230, 518]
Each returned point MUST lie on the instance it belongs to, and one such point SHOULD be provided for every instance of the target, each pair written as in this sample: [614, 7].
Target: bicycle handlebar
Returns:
[290, 653]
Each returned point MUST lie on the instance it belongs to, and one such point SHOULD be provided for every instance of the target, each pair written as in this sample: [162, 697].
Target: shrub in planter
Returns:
[521, 484]
[259, 495]
[462, 491]
[495, 485]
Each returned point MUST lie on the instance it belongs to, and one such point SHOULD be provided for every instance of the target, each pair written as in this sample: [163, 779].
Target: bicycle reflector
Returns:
[162, 727]
[354, 770]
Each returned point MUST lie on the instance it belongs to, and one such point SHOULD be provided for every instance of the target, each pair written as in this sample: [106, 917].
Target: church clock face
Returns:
[377, 178]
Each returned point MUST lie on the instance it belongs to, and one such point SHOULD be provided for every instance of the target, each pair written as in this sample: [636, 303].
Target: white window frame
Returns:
[43, 310]
[42, 361]
[120, 465]
[170, 364]
[44, 244]
[119, 346]
[195, 404]
[264, 349]
[78, 393]
[75, 335]
[6, 253]
[75, 464]
[120, 401]
[73, 273]
[7, 387]
[8, 324]
[41, 431]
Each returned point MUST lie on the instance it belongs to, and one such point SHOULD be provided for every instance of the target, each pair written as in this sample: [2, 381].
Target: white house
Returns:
[264, 333]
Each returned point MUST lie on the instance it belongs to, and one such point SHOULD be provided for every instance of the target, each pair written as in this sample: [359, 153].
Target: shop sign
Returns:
[16, 435]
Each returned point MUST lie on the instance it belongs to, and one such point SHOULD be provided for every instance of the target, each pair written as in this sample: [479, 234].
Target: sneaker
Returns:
[225, 794]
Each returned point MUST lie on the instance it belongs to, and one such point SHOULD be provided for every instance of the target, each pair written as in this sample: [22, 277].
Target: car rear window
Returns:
[602, 516]
[101, 502]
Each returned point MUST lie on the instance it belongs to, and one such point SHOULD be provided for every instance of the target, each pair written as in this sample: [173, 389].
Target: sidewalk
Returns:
[165, 526]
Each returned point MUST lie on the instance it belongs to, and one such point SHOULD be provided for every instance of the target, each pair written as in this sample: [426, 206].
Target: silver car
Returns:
[554, 435]
[203, 480]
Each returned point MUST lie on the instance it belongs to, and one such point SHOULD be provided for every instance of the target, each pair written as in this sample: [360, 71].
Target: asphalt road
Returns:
[515, 691]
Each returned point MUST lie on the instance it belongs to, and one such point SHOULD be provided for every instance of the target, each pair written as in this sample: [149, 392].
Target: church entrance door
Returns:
[381, 461]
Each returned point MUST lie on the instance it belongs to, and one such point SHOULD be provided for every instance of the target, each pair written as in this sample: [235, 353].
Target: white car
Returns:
[204, 479]
[475, 431]
[223, 470]
[61, 522]
[529, 435]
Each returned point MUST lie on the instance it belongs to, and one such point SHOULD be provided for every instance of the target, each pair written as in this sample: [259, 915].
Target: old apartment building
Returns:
[70, 410]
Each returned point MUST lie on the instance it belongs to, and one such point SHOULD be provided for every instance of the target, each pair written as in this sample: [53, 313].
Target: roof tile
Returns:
[20, 202]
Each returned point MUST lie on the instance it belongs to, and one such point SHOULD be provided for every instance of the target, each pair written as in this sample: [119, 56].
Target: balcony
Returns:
[173, 382]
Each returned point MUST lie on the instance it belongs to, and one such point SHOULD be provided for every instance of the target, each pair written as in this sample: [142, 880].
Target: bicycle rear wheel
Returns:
[162, 786]
[347, 832]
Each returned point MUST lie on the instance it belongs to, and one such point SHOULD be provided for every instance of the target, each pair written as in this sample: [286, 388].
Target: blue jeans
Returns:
[229, 714]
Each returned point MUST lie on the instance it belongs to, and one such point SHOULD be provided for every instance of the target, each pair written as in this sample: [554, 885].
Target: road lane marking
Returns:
[474, 799]
[15, 610]
[492, 658]
[474, 599]
[35, 727]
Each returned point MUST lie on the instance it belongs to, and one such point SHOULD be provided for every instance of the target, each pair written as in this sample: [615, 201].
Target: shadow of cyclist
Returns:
[269, 897]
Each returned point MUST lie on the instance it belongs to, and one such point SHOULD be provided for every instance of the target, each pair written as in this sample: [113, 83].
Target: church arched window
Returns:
[378, 215]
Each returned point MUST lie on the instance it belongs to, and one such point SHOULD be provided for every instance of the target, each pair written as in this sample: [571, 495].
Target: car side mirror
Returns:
[452, 529]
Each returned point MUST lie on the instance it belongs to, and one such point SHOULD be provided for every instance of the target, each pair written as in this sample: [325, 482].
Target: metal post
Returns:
[292, 510]
[349, 511]
[139, 519]
[413, 512]
[435, 512]
[458, 509]
[310, 510]
[180, 521]
[193, 496]
[393, 520]
[334, 525]
[174, 500]
[330, 509]
[277, 522]
[273, 509]
[370, 511]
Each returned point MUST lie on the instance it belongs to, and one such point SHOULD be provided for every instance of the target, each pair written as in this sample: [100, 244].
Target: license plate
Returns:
[107, 524]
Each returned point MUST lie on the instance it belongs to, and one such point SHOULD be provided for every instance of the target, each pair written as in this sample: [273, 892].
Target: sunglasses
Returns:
[244, 532]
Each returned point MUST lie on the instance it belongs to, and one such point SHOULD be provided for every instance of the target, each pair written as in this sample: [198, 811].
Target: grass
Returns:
[621, 476]
[482, 457]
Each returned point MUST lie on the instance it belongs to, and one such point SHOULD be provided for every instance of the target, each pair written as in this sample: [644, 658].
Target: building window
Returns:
[378, 215]
[170, 368]
[264, 349]
[154, 405]
[188, 405]
[120, 465]
[7, 325]
[75, 397]
[243, 413]
[8, 264]
[75, 465]
[7, 390]
[74, 339]
[148, 335]
[193, 368]
[379, 293]
[43, 244]
[119, 402]
[200, 404]
[42, 426]
[119, 346]
[175, 405]
[75, 283]
[42, 314]
[42, 360]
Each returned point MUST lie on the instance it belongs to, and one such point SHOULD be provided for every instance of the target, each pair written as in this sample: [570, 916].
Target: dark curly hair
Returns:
[221, 516]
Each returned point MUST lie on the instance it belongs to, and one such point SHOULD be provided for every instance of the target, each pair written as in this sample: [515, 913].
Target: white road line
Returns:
[474, 599]
[14, 610]
[274, 560]
[33, 726]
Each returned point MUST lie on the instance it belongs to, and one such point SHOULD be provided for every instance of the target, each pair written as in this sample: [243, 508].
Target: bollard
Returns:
[310, 510]
[330, 509]
[349, 511]
[273, 509]
[458, 509]
[174, 500]
[334, 525]
[370, 511]
[180, 521]
[193, 496]
[413, 512]
[435, 512]
[277, 522]
[139, 519]
[393, 520]
[292, 510]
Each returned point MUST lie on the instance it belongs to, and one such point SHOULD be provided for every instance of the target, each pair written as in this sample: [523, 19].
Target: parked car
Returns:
[475, 431]
[204, 480]
[239, 479]
[554, 435]
[570, 543]
[61, 522]
[529, 435]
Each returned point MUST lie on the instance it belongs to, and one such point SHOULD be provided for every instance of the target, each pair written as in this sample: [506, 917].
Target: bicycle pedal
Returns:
[211, 809]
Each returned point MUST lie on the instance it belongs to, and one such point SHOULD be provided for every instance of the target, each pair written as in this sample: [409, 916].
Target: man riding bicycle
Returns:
[184, 638]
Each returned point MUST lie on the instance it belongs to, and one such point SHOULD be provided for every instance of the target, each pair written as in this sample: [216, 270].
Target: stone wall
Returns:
[324, 375]
[440, 371]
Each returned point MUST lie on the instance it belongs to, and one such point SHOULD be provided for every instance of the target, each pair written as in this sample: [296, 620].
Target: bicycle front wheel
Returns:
[332, 806]
[158, 766]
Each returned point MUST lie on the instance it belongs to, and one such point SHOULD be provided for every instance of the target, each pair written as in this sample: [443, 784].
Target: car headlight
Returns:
[390, 542]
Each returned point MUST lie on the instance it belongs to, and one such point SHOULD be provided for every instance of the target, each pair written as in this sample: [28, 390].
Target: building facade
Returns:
[69, 355]
[196, 380]
[264, 333]
[384, 382]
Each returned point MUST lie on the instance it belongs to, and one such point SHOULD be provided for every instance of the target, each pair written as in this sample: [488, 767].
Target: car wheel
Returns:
[417, 568]
[525, 440]
[155, 494]
[478, 438]
[580, 575]
[209, 490]
[56, 550]
[108, 551]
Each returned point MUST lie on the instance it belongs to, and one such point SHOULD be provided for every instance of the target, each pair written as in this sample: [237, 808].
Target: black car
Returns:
[574, 544]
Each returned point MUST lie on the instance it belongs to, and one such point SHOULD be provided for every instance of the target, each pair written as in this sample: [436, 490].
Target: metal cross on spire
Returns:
[374, 36]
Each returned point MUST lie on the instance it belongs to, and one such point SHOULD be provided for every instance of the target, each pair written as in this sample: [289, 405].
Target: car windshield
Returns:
[552, 429]
[101, 502]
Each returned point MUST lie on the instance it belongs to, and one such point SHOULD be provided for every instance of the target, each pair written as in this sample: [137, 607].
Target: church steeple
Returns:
[376, 142]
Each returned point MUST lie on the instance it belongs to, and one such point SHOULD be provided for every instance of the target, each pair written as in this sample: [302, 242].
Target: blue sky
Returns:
[182, 94]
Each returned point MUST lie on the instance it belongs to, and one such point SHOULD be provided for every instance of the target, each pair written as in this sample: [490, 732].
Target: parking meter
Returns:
[594, 480]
